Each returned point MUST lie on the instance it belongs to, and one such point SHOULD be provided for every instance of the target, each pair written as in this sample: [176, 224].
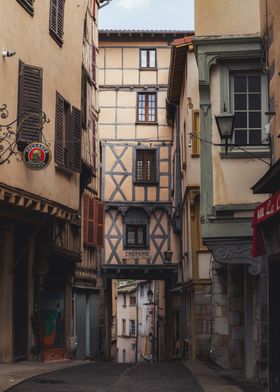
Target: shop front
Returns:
[266, 241]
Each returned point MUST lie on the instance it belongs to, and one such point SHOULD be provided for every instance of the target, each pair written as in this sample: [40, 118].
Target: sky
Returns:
[148, 15]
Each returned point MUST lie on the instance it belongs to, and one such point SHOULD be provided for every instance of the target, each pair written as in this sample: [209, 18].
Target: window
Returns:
[27, 5]
[94, 147]
[57, 20]
[124, 300]
[67, 135]
[124, 355]
[124, 326]
[132, 301]
[147, 58]
[84, 89]
[145, 167]
[136, 229]
[93, 212]
[131, 327]
[196, 134]
[246, 93]
[29, 100]
[146, 108]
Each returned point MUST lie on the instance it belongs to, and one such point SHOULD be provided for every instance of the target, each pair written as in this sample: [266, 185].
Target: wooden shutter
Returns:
[99, 224]
[27, 5]
[84, 97]
[76, 139]
[94, 152]
[29, 100]
[94, 64]
[57, 19]
[89, 221]
[59, 145]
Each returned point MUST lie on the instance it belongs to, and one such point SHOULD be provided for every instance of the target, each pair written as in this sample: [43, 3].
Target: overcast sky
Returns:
[148, 15]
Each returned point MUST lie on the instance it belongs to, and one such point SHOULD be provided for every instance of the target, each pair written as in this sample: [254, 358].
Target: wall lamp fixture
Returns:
[8, 53]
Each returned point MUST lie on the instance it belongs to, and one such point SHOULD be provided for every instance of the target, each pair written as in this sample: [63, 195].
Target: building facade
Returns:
[266, 215]
[40, 209]
[183, 113]
[231, 79]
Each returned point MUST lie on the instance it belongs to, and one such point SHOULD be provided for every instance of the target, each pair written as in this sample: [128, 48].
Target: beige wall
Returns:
[39, 49]
[226, 17]
[229, 187]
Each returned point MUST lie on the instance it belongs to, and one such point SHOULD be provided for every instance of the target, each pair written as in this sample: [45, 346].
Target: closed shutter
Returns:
[57, 19]
[76, 139]
[100, 224]
[94, 50]
[28, 5]
[85, 217]
[29, 100]
[94, 156]
[84, 97]
[58, 146]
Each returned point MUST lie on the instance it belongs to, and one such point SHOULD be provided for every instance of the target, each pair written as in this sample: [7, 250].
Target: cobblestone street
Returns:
[108, 377]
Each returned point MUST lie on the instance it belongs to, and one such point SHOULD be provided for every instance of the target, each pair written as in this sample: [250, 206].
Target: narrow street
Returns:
[109, 377]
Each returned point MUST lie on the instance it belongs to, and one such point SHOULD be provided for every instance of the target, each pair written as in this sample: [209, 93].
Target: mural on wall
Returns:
[52, 319]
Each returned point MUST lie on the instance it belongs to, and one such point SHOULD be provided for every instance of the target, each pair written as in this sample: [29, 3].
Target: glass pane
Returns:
[240, 120]
[130, 235]
[240, 137]
[140, 233]
[152, 58]
[240, 84]
[254, 83]
[255, 102]
[139, 171]
[255, 120]
[255, 136]
[240, 101]
[143, 58]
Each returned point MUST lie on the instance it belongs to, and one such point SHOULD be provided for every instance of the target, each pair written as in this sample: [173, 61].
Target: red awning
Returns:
[264, 211]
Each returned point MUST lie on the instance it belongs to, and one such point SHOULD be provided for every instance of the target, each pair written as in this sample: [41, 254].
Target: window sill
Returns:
[64, 169]
[244, 155]
[145, 183]
[196, 155]
[148, 68]
[146, 123]
[135, 247]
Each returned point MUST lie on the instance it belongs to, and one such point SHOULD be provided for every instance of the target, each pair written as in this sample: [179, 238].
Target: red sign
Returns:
[264, 211]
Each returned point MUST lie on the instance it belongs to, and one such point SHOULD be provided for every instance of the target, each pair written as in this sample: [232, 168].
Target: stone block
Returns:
[221, 299]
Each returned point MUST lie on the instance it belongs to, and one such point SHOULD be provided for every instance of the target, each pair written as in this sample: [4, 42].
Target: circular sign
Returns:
[37, 156]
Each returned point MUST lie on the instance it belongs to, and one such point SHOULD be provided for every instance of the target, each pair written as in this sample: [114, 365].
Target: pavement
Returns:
[80, 376]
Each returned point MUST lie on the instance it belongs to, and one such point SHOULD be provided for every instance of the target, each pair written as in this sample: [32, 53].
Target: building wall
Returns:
[226, 17]
[49, 183]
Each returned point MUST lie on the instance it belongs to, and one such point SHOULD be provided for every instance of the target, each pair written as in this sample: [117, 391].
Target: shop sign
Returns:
[267, 209]
[136, 254]
[37, 156]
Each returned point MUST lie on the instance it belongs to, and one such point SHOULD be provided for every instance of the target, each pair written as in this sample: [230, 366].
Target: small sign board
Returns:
[37, 156]
[134, 254]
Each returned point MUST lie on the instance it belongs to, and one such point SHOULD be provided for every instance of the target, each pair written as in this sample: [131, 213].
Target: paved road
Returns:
[111, 377]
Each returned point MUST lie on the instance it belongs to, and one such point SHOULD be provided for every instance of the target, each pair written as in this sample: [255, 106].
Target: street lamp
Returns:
[225, 124]
[168, 255]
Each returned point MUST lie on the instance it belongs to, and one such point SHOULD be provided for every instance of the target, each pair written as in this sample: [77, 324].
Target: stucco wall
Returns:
[226, 17]
[61, 72]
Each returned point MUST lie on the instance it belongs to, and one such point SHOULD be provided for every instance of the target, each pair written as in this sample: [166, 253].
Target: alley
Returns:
[109, 377]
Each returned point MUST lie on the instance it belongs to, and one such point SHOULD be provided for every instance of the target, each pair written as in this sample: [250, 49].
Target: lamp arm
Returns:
[229, 145]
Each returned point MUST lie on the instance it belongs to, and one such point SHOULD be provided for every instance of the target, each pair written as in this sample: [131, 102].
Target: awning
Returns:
[264, 211]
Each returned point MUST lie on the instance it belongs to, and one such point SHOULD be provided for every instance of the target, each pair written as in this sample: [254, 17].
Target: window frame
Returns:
[148, 67]
[136, 244]
[132, 328]
[246, 67]
[146, 121]
[26, 5]
[143, 222]
[154, 181]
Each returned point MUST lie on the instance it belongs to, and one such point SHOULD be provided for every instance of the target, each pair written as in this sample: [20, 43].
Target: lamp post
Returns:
[225, 124]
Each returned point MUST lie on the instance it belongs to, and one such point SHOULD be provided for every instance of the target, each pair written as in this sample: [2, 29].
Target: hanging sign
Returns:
[37, 156]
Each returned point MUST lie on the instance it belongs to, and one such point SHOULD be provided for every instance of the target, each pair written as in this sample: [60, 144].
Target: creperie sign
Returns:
[267, 209]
